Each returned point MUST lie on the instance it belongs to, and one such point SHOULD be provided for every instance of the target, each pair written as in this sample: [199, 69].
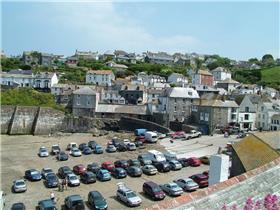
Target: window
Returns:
[262, 108]
[78, 99]
[233, 109]
[194, 108]
[233, 116]
[175, 108]
[263, 116]
[246, 117]
[164, 107]
[190, 93]
[206, 116]
[201, 116]
[246, 109]
[175, 100]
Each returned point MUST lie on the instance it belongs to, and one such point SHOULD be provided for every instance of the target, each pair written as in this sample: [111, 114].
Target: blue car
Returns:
[103, 175]
[33, 175]
[98, 149]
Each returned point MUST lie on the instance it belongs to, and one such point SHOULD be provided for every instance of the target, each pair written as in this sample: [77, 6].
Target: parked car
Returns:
[75, 152]
[205, 160]
[93, 167]
[33, 175]
[140, 138]
[184, 162]
[172, 189]
[108, 165]
[193, 134]
[103, 175]
[82, 146]
[97, 149]
[55, 149]
[43, 152]
[134, 162]
[72, 145]
[151, 137]
[62, 156]
[193, 161]
[87, 150]
[51, 180]
[116, 141]
[162, 166]
[74, 202]
[88, 177]
[175, 165]
[73, 180]
[121, 147]
[97, 201]
[140, 132]
[119, 173]
[46, 171]
[131, 146]
[19, 186]
[134, 171]
[18, 206]
[79, 169]
[145, 159]
[139, 144]
[128, 196]
[92, 144]
[149, 170]
[47, 204]
[111, 148]
[200, 179]
[126, 141]
[121, 163]
[206, 173]
[187, 184]
[153, 190]
[63, 171]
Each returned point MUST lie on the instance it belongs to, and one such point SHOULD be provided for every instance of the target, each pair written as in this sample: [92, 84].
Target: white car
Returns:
[19, 186]
[126, 141]
[131, 146]
[75, 152]
[43, 152]
[128, 196]
[187, 184]
[72, 145]
[73, 180]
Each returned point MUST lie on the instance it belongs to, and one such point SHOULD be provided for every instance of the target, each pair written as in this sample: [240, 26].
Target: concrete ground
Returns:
[19, 153]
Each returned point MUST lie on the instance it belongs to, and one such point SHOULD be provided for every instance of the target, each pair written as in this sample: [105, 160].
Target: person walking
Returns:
[65, 183]
[52, 196]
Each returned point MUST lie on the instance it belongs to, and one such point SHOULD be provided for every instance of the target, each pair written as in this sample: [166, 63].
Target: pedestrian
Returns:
[52, 196]
[60, 187]
[65, 183]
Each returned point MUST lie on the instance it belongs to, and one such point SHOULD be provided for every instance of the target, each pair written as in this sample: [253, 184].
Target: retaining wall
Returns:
[6, 118]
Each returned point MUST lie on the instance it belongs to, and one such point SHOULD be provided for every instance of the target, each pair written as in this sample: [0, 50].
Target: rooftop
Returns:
[100, 72]
[182, 92]
[122, 109]
[85, 91]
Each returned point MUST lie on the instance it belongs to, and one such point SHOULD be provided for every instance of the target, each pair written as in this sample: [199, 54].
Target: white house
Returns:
[148, 80]
[100, 77]
[45, 80]
[177, 79]
[228, 84]
[275, 122]
[221, 73]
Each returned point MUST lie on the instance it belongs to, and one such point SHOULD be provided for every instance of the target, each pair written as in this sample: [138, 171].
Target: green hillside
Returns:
[271, 77]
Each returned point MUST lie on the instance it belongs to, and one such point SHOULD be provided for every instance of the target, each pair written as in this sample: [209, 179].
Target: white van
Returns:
[156, 156]
[151, 137]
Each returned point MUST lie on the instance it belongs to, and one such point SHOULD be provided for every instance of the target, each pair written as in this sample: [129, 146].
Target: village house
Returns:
[122, 56]
[133, 94]
[221, 74]
[116, 67]
[45, 80]
[202, 77]
[205, 89]
[159, 58]
[31, 57]
[86, 55]
[108, 55]
[248, 89]
[100, 77]
[270, 92]
[275, 122]
[181, 59]
[72, 61]
[147, 80]
[228, 84]
[178, 80]
[111, 96]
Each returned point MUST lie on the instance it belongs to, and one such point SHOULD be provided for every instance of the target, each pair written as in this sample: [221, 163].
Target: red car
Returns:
[140, 138]
[193, 161]
[108, 165]
[206, 173]
[200, 179]
[79, 169]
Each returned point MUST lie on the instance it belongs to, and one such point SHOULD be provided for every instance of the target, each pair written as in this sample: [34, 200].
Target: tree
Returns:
[268, 60]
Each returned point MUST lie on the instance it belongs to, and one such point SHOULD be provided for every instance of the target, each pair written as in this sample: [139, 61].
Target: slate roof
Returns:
[181, 92]
[253, 152]
[85, 91]
[216, 103]
[122, 109]
[204, 72]
[20, 71]
[100, 72]
[270, 137]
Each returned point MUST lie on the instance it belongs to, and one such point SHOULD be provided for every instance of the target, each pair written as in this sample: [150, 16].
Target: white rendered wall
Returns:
[219, 168]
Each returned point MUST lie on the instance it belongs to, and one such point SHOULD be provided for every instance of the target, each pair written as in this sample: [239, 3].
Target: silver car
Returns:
[19, 186]
[43, 152]
[175, 165]
[149, 170]
[75, 152]
[187, 184]
[172, 189]
[111, 148]
[73, 180]
[128, 196]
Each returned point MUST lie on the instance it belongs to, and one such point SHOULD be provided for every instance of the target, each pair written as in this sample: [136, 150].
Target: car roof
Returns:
[19, 180]
[47, 203]
[95, 194]
[74, 197]
[150, 183]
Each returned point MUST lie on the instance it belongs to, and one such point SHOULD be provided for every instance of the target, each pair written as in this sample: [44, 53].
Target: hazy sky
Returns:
[234, 29]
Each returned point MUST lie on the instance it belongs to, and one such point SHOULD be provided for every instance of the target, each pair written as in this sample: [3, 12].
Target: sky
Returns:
[238, 30]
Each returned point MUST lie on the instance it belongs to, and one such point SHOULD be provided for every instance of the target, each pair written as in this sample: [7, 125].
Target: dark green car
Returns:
[74, 202]
[97, 201]
[46, 205]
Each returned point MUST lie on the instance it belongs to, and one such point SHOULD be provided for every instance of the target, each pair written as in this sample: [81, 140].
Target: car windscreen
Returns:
[131, 195]
[34, 173]
[156, 189]
[20, 183]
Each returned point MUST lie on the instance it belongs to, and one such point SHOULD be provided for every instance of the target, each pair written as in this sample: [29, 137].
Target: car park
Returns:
[63, 171]
[119, 173]
[55, 149]
[62, 156]
[103, 175]
[145, 159]
[79, 169]
[127, 196]
[108, 165]
[97, 149]
[149, 170]
[73, 180]
[134, 162]
[205, 160]
[33, 175]
[131, 146]
[51, 180]
[19, 186]
[193, 161]
[74, 202]
[75, 152]
[47, 204]
[175, 165]
[87, 150]
[156, 156]
[134, 171]
[162, 166]
[121, 163]
[200, 179]
[92, 144]
[187, 184]
[172, 189]
[184, 162]
[97, 201]
[82, 146]
[93, 167]
[18, 206]
[43, 152]
[111, 148]
[45, 172]
[88, 177]
[153, 190]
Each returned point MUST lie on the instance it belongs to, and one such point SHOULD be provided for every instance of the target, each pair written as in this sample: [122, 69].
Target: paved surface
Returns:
[19, 153]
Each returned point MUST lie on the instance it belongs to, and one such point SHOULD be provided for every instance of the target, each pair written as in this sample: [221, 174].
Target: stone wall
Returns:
[6, 117]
